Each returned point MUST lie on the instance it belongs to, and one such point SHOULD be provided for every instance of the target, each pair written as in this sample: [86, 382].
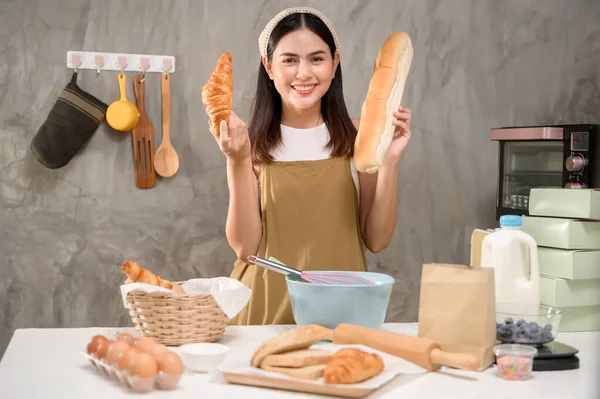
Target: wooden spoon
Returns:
[166, 161]
[122, 115]
[143, 140]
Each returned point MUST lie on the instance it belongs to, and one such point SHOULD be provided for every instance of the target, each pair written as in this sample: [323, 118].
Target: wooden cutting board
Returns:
[143, 141]
[296, 386]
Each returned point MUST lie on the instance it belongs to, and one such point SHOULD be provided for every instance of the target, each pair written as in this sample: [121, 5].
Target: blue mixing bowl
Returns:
[329, 305]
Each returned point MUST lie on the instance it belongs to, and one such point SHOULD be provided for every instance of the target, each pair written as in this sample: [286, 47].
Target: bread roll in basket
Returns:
[172, 319]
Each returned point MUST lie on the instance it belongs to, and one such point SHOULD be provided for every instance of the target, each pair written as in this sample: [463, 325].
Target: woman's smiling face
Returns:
[302, 69]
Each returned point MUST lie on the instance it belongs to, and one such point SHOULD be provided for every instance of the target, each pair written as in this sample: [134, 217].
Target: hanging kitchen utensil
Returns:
[70, 124]
[327, 278]
[143, 140]
[166, 161]
[122, 115]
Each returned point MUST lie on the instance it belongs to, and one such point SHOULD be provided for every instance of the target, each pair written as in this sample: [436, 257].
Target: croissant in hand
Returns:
[137, 274]
[217, 93]
[350, 366]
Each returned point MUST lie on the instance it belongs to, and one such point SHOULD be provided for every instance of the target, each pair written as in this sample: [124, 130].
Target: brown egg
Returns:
[126, 337]
[141, 384]
[170, 363]
[143, 365]
[126, 358]
[145, 344]
[115, 351]
[158, 350]
[143, 370]
[171, 368]
[92, 347]
[103, 349]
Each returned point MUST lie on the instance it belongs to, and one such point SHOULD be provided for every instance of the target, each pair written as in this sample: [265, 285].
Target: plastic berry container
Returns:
[515, 362]
[522, 324]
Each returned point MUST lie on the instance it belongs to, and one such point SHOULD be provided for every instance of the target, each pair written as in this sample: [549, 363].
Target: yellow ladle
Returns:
[122, 115]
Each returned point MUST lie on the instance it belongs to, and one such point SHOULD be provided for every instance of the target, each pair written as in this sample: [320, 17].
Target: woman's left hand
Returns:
[402, 118]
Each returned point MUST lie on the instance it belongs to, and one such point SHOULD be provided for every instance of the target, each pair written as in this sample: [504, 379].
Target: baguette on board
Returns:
[298, 338]
[298, 358]
[313, 372]
[376, 131]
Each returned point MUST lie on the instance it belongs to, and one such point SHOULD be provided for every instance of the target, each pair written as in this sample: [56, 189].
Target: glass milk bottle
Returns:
[514, 256]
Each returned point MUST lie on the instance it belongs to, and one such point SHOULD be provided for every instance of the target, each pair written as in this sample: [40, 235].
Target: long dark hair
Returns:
[265, 120]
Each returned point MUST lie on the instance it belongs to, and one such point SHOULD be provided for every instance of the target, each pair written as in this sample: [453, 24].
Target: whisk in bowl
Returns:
[327, 278]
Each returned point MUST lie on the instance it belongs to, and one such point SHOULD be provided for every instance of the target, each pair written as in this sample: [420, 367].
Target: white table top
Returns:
[47, 363]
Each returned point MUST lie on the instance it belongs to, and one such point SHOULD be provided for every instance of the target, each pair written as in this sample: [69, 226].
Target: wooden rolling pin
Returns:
[421, 351]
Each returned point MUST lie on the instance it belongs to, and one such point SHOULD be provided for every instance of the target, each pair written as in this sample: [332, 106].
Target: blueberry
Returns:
[548, 327]
[521, 322]
[508, 321]
[535, 329]
[547, 334]
[520, 329]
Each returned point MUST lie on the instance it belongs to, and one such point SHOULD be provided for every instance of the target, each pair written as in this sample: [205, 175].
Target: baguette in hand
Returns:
[376, 130]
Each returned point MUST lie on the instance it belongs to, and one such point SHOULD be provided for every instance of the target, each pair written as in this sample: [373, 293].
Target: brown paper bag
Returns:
[458, 309]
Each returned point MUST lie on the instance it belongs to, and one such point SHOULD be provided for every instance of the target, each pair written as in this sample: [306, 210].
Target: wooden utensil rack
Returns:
[122, 62]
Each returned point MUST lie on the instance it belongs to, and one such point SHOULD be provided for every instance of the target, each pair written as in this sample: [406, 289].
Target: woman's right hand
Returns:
[234, 140]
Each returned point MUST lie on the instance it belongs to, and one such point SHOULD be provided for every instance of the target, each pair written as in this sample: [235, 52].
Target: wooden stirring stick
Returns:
[166, 161]
[143, 140]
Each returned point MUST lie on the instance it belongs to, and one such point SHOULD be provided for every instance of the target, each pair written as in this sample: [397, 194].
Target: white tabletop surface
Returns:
[47, 363]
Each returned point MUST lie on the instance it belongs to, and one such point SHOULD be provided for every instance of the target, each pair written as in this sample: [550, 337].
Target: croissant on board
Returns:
[217, 93]
[137, 274]
[350, 366]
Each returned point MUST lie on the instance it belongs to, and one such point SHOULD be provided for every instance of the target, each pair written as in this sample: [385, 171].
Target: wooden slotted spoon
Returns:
[143, 140]
[166, 161]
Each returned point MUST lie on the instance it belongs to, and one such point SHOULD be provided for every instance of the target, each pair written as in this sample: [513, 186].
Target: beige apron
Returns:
[310, 221]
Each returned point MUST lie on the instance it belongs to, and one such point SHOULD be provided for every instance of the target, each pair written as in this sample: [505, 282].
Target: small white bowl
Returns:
[203, 357]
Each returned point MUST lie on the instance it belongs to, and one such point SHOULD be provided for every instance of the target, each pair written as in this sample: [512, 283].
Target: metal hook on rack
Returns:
[144, 65]
[98, 63]
[121, 63]
[76, 61]
[167, 65]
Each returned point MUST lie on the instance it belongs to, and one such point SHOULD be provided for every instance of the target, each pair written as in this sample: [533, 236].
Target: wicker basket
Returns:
[176, 319]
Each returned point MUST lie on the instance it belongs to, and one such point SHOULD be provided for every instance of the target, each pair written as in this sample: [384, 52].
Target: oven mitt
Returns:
[72, 121]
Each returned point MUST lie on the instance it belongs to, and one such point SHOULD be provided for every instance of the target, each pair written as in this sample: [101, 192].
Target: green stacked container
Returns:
[566, 226]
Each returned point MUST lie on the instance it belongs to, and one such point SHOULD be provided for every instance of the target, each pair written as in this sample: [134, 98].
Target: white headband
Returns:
[263, 39]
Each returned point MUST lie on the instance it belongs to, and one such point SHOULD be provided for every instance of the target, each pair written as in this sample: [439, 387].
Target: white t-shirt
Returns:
[307, 145]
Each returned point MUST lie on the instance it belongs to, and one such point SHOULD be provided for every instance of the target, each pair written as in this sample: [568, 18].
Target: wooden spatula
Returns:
[143, 141]
[166, 161]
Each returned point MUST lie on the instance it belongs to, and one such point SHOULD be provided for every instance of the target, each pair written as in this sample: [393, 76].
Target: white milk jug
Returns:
[514, 256]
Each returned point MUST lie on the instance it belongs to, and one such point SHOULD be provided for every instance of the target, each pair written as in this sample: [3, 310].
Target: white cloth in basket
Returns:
[230, 294]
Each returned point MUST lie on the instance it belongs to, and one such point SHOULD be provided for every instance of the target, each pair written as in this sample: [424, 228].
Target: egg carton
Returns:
[133, 382]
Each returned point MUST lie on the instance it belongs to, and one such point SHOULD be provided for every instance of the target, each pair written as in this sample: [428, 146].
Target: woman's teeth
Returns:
[304, 88]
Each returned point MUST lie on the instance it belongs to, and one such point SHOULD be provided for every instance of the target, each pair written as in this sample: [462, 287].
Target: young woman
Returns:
[294, 191]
